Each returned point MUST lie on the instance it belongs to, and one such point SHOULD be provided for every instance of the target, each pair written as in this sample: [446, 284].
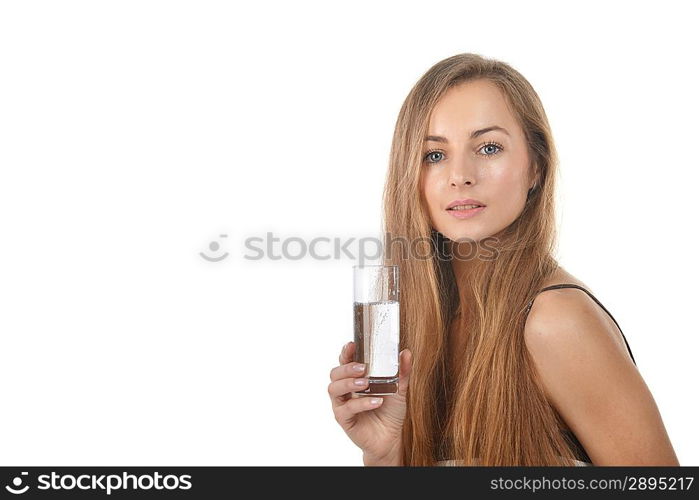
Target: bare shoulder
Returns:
[589, 377]
[568, 320]
[571, 316]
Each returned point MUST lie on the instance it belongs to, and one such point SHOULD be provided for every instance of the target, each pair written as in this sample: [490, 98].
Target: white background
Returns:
[132, 134]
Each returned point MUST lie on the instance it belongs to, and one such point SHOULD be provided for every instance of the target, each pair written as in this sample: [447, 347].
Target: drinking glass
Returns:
[377, 326]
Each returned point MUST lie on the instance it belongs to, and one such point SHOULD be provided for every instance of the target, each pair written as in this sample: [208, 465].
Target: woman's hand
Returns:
[374, 427]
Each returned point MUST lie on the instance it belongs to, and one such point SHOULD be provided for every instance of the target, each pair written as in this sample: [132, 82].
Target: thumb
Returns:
[406, 367]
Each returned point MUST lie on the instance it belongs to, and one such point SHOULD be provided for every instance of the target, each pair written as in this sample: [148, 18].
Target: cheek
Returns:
[429, 191]
[508, 181]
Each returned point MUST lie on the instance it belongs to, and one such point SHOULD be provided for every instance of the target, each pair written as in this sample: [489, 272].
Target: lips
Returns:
[465, 204]
[465, 214]
[464, 207]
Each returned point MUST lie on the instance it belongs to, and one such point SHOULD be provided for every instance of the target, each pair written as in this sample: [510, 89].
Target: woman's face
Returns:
[459, 162]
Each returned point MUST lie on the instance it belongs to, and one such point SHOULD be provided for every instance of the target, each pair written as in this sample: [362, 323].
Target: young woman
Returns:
[507, 358]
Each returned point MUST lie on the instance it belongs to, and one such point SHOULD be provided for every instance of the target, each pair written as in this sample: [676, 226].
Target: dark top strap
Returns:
[573, 285]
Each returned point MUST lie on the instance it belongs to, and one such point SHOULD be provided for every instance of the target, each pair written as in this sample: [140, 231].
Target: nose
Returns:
[461, 173]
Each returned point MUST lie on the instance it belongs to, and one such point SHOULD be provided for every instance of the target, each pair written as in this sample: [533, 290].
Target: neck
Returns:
[467, 259]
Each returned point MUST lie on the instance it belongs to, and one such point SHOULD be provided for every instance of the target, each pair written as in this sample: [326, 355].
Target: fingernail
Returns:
[376, 401]
[360, 381]
[359, 368]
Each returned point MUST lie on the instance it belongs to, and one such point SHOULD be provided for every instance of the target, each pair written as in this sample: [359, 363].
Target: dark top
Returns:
[581, 453]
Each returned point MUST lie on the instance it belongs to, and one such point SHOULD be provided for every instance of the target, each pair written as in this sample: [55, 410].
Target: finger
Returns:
[341, 390]
[347, 411]
[347, 353]
[406, 368]
[351, 369]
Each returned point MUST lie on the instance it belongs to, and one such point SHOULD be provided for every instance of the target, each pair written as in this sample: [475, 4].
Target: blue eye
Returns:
[491, 145]
[430, 152]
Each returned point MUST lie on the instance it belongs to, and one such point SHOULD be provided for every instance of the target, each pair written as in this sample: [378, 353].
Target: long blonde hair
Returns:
[498, 413]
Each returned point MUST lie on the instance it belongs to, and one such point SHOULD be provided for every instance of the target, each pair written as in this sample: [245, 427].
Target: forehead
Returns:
[469, 106]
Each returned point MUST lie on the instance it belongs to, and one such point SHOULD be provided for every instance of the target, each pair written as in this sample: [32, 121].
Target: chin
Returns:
[466, 236]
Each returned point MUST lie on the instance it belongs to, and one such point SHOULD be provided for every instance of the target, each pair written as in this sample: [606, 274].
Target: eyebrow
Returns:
[474, 134]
